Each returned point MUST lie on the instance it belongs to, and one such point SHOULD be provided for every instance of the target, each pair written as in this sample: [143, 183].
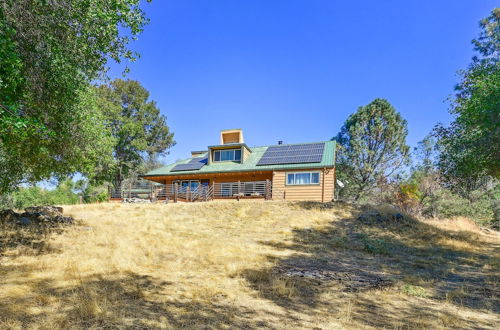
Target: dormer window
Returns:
[227, 155]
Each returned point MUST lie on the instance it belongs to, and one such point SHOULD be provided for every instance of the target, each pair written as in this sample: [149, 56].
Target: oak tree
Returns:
[50, 53]
[470, 146]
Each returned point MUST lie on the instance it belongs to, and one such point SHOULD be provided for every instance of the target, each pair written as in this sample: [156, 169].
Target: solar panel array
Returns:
[193, 164]
[293, 154]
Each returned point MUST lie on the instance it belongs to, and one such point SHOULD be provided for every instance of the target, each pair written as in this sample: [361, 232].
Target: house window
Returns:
[227, 155]
[192, 184]
[301, 178]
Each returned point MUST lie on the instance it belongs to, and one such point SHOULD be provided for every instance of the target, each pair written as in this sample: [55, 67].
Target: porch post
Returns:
[268, 190]
[213, 189]
[188, 193]
[175, 192]
[323, 186]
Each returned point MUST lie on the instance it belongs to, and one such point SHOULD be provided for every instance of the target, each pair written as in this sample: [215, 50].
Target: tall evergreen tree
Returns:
[372, 146]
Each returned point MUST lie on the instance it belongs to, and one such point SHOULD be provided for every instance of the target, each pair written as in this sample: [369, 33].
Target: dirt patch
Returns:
[351, 280]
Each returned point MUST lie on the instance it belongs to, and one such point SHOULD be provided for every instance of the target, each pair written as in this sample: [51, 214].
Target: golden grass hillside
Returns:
[249, 264]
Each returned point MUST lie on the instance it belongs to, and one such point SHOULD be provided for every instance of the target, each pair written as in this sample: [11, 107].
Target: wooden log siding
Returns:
[245, 153]
[322, 192]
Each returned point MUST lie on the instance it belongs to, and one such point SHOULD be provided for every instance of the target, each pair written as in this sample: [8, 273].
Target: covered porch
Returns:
[202, 187]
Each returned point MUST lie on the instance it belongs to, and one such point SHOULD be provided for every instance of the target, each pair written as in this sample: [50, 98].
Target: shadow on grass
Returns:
[31, 239]
[381, 250]
[126, 301]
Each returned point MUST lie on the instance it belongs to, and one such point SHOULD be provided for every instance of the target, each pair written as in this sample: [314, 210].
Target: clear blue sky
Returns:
[294, 70]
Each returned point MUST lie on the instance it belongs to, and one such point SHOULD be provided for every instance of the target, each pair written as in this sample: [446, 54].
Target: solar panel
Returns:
[293, 154]
[193, 164]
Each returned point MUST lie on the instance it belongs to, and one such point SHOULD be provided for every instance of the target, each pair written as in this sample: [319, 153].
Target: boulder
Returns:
[398, 216]
[8, 216]
[37, 215]
[47, 210]
[24, 221]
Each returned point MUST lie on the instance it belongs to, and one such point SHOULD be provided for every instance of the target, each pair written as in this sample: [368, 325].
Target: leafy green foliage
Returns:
[414, 290]
[425, 192]
[89, 144]
[482, 206]
[63, 194]
[425, 155]
[11, 78]
[372, 146]
[51, 51]
[373, 245]
[92, 193]
[141, 133]
[470, 148]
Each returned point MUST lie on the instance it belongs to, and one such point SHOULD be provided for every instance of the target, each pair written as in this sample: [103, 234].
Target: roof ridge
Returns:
[292, 144]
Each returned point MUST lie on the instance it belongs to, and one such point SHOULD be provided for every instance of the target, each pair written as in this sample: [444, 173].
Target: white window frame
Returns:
[229, 160]
[303, 184]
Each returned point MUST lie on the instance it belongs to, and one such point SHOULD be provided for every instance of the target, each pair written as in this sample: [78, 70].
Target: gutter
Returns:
[236, 171]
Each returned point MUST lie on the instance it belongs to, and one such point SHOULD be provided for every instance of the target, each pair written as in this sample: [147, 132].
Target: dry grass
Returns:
[224, 265]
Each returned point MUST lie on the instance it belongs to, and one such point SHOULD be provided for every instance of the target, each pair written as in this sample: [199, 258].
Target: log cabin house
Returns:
[232, 169]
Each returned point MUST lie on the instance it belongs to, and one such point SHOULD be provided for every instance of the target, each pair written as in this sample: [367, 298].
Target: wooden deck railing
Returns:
[243, 189]
[218, 190]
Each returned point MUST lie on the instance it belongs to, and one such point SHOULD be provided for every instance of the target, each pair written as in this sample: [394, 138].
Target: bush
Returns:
[34, 196]
[481, 207]
[374, 245]
[94, 194]
[424, 195]
[408, 198]
[414, 290]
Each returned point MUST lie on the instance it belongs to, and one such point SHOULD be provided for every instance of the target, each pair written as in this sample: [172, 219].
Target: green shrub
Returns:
[93, 194]
[420, 195]
[33, 196]
[339, 242]
[374, 245]
[480, 207]
[30, 196]
[414, 290]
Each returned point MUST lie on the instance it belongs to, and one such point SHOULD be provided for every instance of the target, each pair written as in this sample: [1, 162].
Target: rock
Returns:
[37, 215]
[398, 216]
[62, 219]
[51, 211]
[24, 221]
[8, 216]
[375, 217]
[363, 218]
[135, 200]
